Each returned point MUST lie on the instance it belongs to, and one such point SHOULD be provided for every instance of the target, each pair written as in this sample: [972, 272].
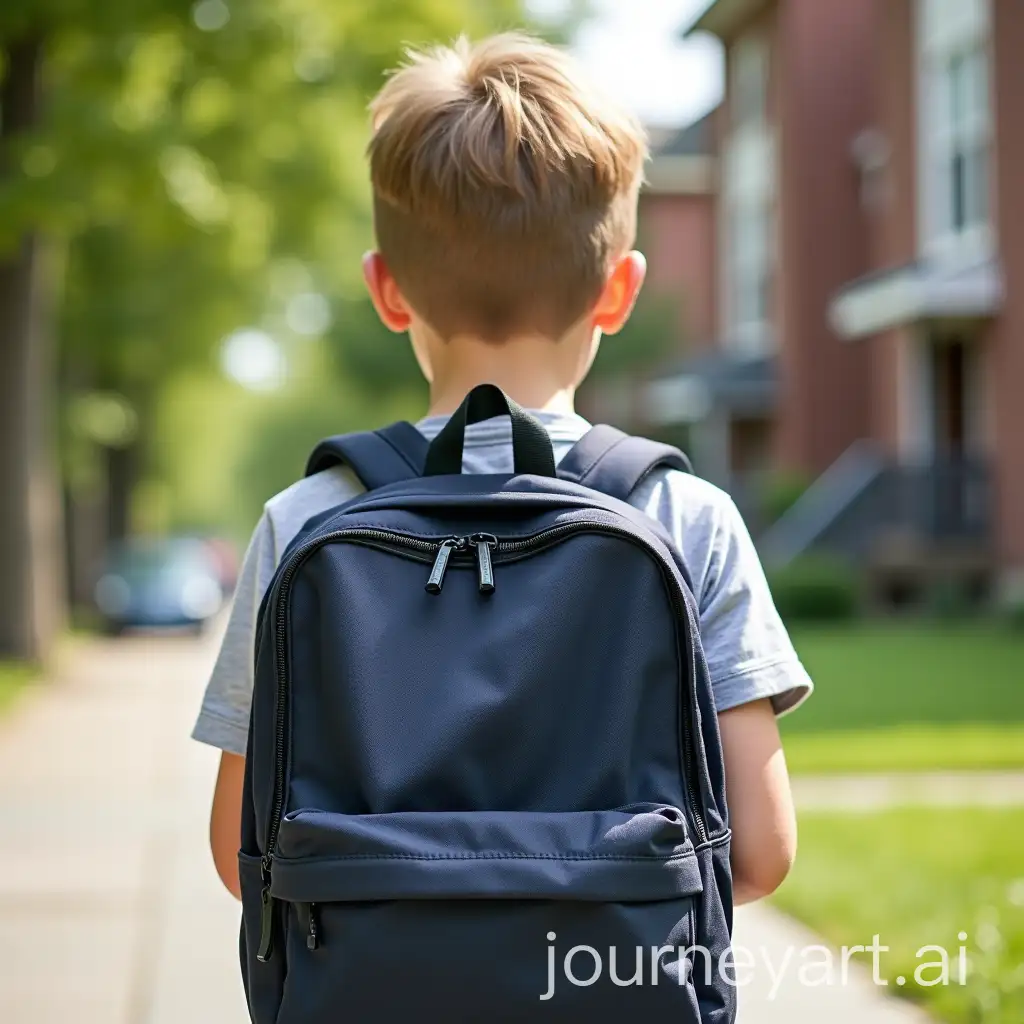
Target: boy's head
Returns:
[505, 191]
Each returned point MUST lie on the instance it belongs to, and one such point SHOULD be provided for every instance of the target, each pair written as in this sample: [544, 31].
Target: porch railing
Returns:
[864, 499]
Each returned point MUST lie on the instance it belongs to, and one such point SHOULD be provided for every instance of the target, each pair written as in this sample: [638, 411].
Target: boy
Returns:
[505, 202]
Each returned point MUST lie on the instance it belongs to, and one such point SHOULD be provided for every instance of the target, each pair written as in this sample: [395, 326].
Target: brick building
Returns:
[866, 274]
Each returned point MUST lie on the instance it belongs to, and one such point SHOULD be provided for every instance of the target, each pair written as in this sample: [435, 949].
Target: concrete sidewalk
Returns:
[110, 911]
[776, 946]
[869, 793]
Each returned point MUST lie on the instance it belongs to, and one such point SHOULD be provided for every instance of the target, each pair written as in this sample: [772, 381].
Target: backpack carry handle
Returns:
[531, 446]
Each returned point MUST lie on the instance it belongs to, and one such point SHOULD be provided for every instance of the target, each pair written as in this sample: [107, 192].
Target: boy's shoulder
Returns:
[675, 497]
[289, 510]
[687, 493]
[698, 515]
[684, 495]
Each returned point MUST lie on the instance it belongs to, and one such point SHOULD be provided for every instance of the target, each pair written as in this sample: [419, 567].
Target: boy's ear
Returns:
[620, 293]
[385, 295]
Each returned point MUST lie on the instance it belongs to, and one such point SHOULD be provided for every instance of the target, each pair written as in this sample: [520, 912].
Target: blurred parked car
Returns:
[159, 583]
[225, 558]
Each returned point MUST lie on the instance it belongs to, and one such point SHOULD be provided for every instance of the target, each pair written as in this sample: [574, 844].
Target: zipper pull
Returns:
[444, 553]
[483, 542]
[313, 934]
[263, 954]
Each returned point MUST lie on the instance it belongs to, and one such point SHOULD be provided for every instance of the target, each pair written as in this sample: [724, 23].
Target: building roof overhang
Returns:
[724, 18]
[719, 380]
[681, 175]
[917, 292]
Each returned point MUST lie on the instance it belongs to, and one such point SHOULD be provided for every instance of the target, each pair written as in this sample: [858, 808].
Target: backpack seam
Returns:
[412, 535]
[417, 471]
[718, 839]
[580, 858]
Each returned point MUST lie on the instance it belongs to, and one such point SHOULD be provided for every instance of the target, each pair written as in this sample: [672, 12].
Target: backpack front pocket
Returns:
[491, 915]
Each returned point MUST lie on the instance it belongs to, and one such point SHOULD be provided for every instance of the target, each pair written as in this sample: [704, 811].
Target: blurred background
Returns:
[833, 328]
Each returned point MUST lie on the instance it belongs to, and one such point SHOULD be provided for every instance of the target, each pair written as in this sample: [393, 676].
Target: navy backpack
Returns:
[484, 780]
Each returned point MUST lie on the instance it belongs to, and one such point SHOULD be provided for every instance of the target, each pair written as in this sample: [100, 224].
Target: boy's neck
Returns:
[526, 381]
[447, 403]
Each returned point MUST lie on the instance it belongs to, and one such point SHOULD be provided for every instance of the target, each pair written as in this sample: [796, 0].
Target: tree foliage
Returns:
[649, 339]
[185, 153]
[189, 146]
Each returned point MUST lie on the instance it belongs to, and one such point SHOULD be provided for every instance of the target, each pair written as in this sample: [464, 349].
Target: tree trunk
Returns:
[85, 522]
[85, 542]
[123, 469]
[30, 516]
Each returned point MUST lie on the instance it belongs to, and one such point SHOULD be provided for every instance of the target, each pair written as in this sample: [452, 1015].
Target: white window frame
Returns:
[748, 81]
[748, 191]
[947, 30]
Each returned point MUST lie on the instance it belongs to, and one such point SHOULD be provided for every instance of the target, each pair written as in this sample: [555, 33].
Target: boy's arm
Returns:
[224, 718]
[226, 820]
[761, 811]
[756, 675]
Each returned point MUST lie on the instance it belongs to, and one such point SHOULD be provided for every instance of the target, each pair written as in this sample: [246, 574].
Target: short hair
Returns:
[504, 186]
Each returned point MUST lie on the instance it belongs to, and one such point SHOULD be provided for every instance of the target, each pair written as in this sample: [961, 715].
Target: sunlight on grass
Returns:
[909, 697]
[908, 748]
[919, 877]
[13, 679]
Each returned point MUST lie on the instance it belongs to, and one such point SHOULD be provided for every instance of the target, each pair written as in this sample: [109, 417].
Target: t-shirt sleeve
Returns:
[224, 717]
[749, 652]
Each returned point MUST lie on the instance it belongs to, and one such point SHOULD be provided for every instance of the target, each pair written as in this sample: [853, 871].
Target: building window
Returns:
[748, 82]
[956, 128]
[750, 265]
[748, 201]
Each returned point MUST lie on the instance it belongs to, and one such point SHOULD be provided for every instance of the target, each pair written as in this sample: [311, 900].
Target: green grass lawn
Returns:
[13, 678]
[918, 878]
[909, 697]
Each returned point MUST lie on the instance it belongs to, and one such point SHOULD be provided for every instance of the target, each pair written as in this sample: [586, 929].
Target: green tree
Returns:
[174, 152]
[649, 340]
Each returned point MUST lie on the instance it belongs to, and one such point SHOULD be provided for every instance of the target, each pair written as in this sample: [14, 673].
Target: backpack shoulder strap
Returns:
[615, 463]
[377, 457]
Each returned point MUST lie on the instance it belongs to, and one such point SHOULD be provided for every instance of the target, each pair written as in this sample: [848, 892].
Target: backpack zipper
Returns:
[435, 581]
[266, 947]
[481, 543]
[440, 553]
[312, 928]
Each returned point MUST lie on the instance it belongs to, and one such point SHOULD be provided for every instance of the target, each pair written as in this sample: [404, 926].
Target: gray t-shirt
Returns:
[748, 651]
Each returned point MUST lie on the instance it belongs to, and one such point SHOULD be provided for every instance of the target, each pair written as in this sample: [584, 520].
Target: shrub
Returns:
[1013, 615]
[779, 492]
[953, 600]
[815, 589]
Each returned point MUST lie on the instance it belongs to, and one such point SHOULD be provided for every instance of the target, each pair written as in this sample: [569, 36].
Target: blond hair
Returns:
[504, 186]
